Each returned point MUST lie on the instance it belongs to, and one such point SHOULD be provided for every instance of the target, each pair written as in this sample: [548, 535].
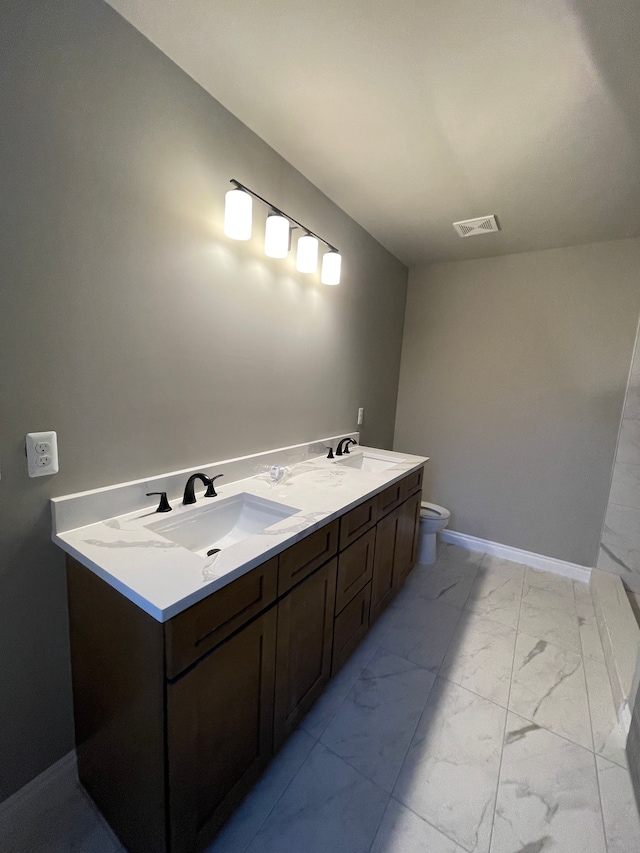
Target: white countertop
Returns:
[163, 578]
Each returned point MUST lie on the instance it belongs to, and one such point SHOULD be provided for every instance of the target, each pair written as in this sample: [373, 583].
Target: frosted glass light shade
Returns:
[237, 215]
[307, 257]
[331, 264]
[276, 236]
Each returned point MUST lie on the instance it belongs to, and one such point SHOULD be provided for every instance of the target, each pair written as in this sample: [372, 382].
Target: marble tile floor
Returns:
[476, 717]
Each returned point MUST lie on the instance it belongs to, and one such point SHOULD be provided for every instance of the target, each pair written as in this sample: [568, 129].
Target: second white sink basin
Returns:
[372, 462]
[222, 523]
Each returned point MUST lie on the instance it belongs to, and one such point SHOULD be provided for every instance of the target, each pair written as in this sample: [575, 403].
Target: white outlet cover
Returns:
[42, 453]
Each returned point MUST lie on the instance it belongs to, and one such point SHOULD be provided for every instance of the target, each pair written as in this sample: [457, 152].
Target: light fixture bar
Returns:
[277, 210]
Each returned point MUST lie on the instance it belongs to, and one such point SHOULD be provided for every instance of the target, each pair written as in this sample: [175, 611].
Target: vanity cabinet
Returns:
[384, 583]
[396, 540]
[407, 537]
[175, 721]
[353, 596]
[303, 659]
[219, 731]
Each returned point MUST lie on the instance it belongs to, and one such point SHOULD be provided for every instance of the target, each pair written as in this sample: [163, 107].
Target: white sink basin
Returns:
[372, 462]
[222, 523]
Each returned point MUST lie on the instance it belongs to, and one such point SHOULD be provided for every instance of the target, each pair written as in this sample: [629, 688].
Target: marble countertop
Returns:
[164, 578]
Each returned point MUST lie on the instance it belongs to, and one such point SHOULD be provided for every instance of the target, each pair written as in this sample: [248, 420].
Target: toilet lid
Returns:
[428, 510]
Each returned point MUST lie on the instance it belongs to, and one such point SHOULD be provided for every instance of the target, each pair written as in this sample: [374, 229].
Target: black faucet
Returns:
[164, 505]
[189, 492]
[343, 445]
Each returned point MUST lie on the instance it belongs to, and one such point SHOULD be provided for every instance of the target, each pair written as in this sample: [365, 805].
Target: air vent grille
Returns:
[472, 227]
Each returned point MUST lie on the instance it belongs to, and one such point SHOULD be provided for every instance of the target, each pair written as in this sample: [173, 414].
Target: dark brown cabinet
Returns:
[357, 521]
[306, 556]
[305, 630]
[192, 633]
[176, 720]
[219, 731]
[407, 537]
[350, 627]
[396, 541]
[383, 584]
[355, 567]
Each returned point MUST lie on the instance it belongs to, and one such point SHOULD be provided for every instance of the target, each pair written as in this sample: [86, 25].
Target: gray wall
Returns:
[130, 325]
[620, 544]
[512, 380]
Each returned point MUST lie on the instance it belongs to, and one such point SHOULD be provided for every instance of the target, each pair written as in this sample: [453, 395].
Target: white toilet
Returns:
[432, 519]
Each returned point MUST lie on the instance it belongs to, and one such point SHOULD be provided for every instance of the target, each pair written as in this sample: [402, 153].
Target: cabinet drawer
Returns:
[195, 631]
[357, 521]
[390, 499]
[412, 483]
[350, 628]
[306, 556]
[355, 567]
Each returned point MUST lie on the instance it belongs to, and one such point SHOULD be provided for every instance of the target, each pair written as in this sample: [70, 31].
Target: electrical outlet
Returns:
[42, 453]
[360, 416]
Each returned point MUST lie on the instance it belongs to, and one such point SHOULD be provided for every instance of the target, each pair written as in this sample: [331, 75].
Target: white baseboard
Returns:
[517, 555]
[37, 787]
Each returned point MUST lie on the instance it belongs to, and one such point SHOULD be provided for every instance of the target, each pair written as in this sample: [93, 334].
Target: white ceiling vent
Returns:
[481, 225]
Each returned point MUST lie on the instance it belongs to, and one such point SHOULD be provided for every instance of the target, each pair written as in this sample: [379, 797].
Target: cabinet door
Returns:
[355, 566]
[350, 627]
[303, 657]
[219, 719]
[407, 538]
[383, 587]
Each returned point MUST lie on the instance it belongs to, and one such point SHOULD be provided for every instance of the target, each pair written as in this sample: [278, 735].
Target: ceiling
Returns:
[413, 114]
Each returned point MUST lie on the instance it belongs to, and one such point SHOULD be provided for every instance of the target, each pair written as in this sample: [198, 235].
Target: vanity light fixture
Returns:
[238, 214]
[307, 256]
[331, 263]
[277, 238]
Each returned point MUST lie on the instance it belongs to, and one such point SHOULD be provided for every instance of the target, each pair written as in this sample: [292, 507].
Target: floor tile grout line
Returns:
[586, 690]
[589, 702]
[604, 827]
[553, 643]
[593, 741]
[446, 651]
[546, 727]
[376, 649]
[506, 716]
[366, 778]
[355, 769]
[415, 728]
[316, 741]
[284, 790]
[562, 737]
[401, 764]
[475, 692]
[98, 815]
[428, 822]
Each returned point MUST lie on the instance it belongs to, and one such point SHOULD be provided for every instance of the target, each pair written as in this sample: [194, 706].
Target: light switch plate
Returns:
[42, 453]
